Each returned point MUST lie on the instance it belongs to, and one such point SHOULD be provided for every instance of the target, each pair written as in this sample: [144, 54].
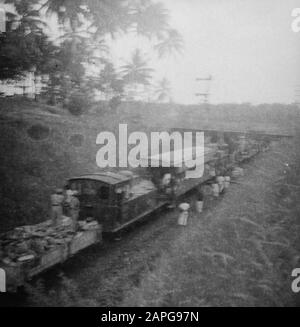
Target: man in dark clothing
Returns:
[74, 209]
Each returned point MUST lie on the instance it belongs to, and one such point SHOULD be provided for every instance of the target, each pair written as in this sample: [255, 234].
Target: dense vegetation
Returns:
[76, 62]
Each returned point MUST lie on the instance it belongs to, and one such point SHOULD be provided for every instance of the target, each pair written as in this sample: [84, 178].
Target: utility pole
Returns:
[206, 93]
[297, 95]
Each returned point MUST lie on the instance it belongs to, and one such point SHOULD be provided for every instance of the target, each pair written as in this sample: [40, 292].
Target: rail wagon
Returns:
[114, 199]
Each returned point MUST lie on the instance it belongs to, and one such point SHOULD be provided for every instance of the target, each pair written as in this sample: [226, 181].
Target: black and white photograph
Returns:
[149, 156]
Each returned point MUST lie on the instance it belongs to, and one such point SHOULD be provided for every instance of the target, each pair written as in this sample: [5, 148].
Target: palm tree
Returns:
[137, 71]
[163, 90]
[105, 16]
[75, 41]
[151, 19]
[25, 18]
[68, 11]
[171, 43]
[110, 16]
[108, 81]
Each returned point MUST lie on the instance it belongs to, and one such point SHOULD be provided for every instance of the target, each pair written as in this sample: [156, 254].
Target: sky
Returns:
[247, 46]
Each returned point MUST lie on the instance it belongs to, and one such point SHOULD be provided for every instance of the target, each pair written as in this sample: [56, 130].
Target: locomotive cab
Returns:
[115, 199]
[100, 196]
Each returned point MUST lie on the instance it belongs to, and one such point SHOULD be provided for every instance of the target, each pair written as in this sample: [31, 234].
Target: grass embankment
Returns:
[240, 252]
[41, 147]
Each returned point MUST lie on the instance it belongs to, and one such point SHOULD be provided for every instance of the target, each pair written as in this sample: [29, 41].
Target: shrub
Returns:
[78, 104]
[115, 102]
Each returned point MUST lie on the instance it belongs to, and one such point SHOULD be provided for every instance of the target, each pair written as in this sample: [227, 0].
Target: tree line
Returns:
[64, 62]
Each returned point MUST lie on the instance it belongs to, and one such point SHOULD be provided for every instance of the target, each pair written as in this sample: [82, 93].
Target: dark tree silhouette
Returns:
[24, 46]
[151, 19]
[83, 25]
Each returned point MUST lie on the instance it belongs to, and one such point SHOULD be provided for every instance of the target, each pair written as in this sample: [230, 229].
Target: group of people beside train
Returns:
[65, 202]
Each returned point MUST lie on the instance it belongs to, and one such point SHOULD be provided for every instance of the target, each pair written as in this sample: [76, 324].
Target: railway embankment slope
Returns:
[242, 249]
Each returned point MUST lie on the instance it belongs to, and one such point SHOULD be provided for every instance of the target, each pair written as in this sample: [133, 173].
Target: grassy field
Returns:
[242, 250]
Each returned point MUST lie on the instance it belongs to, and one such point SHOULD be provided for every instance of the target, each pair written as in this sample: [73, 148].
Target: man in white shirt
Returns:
[57, 200]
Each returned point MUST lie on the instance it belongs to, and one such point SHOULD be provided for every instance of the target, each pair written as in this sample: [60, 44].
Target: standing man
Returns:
[183, 214]
[169, 189]
[200, 199]
[173, 186]
[119, 201]
[74, 209]
[67, 202]
[57, 200]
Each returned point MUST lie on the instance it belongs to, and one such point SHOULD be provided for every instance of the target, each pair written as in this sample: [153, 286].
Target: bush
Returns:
[115, 102]
[78, 104]
[38, 132]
